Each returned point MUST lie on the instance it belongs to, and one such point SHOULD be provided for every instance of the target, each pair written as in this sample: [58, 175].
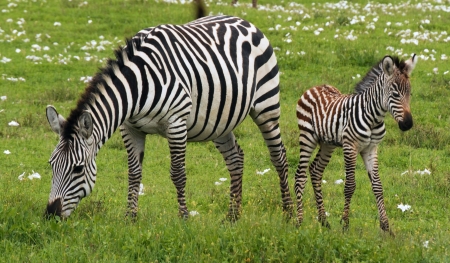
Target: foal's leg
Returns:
[370, 158]
[316, 171]
[350, 155]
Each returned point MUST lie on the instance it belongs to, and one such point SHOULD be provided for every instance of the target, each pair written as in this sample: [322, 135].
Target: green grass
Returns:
[98, 231]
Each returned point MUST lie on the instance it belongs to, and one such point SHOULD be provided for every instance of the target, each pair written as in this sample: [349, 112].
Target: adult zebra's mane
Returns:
[373, 74]
[122, 54]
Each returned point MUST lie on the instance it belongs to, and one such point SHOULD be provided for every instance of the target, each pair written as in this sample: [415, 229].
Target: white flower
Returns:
[263, 172]
[218, 183]
[17, 50]
[6, 152]
[89, 21]
[34, 175]
[57, 24]
[425, 243]
[324, 182]
[13, 123]
[435, 70]
[339, 181]
[425, 171]
[21, 176]
[194, 213]
[3, 98]
[403, 207]
[5, 60]
[223, 179]
[141, 189]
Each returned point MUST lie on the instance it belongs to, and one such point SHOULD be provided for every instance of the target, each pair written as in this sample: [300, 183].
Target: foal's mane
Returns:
[373, 74]
[122, 54]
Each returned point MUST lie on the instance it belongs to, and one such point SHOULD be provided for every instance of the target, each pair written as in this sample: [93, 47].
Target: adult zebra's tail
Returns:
[201, 9]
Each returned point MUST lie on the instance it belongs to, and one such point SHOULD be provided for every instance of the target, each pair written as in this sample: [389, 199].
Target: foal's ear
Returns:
[410, 64]
[388, 65]
[55, 120]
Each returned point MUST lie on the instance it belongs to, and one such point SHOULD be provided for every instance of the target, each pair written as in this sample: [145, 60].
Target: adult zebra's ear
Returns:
[55, 120]
[85, 124]
[388, 65]
[410, 64]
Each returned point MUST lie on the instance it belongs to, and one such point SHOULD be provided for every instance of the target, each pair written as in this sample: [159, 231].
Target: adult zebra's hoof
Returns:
[345, 224]
[233, 217]
[386, 229]
[184, 215]
[131, 215]
[288, 212]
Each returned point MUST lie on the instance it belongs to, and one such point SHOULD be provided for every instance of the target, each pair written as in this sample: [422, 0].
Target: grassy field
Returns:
[49, 49]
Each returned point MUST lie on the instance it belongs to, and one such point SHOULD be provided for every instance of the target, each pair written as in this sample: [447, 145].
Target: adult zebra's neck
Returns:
[110, 96]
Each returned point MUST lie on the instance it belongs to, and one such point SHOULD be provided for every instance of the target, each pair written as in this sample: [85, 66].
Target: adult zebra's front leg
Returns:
[134, 143]
[370, 157]
[177, 138]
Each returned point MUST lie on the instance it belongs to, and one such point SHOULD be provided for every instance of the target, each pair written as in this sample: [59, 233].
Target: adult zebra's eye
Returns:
[78, 169]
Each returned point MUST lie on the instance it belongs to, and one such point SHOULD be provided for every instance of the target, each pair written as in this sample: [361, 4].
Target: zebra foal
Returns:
[192, 82]
[355, 122]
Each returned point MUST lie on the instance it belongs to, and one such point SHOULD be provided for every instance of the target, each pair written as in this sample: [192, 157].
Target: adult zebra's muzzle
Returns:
[54, 208]
[407, 122]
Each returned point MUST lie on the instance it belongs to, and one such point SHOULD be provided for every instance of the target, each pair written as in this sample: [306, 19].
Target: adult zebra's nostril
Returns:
[53, 208]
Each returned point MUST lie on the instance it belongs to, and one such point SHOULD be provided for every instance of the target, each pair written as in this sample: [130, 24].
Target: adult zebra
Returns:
[192, 82]
[355, 122]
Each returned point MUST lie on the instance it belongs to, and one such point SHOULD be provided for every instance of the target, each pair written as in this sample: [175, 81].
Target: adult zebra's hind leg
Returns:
[134, 143]
[316, 171]
[234, 159]
[268, 125]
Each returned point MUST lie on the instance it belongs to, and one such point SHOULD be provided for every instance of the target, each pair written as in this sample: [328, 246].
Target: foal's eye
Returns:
[78, 169]
[396, 94]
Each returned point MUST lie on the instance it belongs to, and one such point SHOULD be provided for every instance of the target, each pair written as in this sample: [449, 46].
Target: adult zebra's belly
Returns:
[207, 127]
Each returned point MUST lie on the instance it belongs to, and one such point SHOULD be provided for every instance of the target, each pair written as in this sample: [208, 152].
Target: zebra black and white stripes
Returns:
[328, 119]
[192, 82]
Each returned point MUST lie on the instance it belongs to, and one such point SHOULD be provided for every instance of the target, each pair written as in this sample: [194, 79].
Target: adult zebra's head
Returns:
[399, 89]
[72, 161]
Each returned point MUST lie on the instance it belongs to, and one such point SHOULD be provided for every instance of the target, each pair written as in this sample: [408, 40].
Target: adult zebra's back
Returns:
[192, 82]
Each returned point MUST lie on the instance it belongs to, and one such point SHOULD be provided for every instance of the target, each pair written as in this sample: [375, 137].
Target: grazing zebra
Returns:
[355, 122]
[193, 82]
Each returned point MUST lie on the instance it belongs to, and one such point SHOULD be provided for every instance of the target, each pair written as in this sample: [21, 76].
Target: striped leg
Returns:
[134, 143]
[316, 171]
[350, 155]
[177, 138]
[234, 159]
[370, 158]
[270, 130]
[308, 143]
